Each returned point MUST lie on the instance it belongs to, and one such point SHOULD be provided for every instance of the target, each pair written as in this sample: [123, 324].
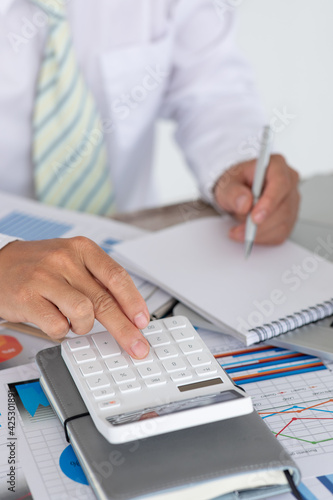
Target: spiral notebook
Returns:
[276, 290]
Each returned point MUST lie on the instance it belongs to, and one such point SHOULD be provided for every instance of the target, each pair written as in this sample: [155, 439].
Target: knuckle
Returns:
[40, 274]
[104, 304]
[83, 329]
[81, 241]
[58, 258]
[83, 308]
[117, 277]
[55, 328]
[25, 294]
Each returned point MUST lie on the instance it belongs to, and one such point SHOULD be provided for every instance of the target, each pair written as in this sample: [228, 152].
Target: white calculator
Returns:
[179, 384]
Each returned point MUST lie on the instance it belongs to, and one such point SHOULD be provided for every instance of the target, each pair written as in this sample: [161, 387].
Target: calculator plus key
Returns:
[106, 344]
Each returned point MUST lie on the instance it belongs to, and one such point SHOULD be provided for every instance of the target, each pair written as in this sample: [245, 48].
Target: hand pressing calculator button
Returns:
[179, 384]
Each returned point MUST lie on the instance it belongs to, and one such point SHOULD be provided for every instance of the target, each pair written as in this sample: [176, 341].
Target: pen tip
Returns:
[248, 248]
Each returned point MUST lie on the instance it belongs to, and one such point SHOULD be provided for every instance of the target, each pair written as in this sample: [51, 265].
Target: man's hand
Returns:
[53, 282]
[276, 211]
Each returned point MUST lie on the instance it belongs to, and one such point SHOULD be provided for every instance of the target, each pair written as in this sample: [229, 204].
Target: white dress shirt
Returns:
[142, 59]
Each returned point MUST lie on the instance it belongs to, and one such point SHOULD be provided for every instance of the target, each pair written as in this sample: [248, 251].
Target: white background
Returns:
[289, 43]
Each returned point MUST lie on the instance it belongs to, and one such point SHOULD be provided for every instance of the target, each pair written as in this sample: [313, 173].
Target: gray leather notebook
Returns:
[236, 458]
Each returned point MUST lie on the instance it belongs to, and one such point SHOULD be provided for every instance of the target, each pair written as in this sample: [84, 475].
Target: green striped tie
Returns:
[69, 153]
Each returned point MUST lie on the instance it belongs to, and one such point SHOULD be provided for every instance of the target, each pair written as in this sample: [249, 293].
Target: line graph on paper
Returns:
[299, 412]
[293, 394]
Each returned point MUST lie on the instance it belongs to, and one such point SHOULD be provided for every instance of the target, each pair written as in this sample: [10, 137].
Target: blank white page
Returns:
[201, 266]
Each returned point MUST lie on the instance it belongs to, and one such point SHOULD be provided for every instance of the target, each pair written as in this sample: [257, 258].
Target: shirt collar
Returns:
[5, 5]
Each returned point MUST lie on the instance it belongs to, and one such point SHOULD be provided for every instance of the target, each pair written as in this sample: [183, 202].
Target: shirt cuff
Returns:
[4, 240]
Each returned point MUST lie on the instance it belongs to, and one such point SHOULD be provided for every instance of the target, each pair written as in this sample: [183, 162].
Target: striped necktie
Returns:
[69, 153]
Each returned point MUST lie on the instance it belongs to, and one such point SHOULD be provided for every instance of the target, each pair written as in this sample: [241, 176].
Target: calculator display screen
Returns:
[173, 407]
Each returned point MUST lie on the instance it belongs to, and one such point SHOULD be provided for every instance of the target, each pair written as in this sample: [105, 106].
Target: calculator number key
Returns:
[172, 323]
[200, 359]
[148, 359]
[149, 370]
[166, 352]
[182, 334]
[190, 346]
[158, 339]
[173, 365]
[153, 327]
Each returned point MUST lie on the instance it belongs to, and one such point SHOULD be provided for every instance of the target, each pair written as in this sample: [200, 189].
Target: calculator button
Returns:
[108, 405]
[147, 359]
[172, 323]
[97, 382]
[153, 327]
[116, 362]
[190, 346]
[149, 370]
[83, 355]
[183, 375]
[206, 370]
[130, 387]
[173, 365]
[103, 393]
[91, 368]
[166, 352]
[199, 359]
[121, 376]
[154, 381]
[182, 334]
[106, 344]
[158, 339]
[80, 343]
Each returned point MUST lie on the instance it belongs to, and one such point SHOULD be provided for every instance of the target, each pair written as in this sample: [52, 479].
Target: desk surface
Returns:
[316, 206]
[161, 217]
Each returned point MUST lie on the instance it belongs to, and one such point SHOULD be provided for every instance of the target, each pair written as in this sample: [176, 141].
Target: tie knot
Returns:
[54, 8]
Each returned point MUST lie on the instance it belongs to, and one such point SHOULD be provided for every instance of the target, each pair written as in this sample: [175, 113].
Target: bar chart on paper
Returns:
[60, 474]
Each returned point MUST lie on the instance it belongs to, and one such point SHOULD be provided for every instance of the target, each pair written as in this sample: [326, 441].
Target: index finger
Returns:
[116, 280]
[278, 184]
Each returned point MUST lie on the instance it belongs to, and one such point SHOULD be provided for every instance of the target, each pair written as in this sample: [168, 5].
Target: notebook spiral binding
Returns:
[289, 323]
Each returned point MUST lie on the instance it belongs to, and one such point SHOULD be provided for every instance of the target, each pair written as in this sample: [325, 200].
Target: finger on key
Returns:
[117, 281]
[108, 312]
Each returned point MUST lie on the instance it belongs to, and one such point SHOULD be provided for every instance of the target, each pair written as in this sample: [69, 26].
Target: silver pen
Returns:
[258, 182]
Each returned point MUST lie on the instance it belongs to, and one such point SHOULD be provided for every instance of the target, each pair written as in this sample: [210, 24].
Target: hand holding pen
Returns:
[276, 210]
